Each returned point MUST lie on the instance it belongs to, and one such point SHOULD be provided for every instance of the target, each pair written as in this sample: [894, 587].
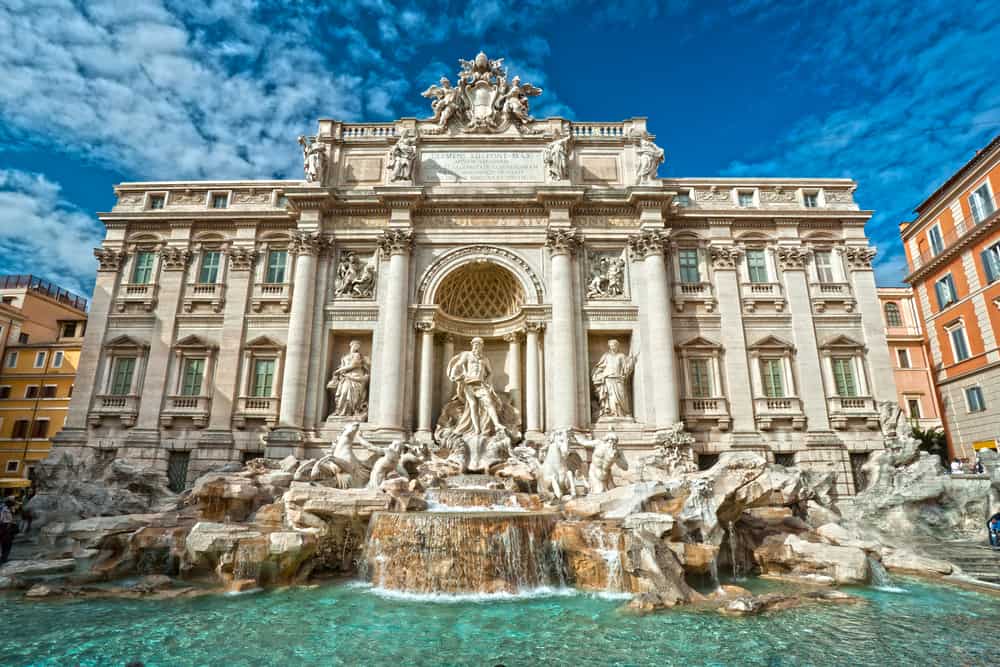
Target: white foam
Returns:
[890, 589]
[451, 598]
[438, 507]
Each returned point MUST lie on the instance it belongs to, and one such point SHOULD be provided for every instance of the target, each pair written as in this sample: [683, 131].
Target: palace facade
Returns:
[234, 318]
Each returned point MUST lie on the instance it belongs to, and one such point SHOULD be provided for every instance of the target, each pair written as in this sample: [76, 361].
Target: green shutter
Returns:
[142, 272]
[276, 260]
[121, 379]
[209, 267]
[193, 372]
[843, 375]
[757, 266]
[701, 386]
[688, 264]
[991, 263]
[263, 377]
[772, 377]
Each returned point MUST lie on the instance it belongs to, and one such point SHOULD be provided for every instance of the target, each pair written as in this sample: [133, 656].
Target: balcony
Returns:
[256, 407]
[824, 294]
[844, 409]
[124, 407]
[785, 409]
[714, 411]
[963, 226]
[276, 293]
[757, 293]
[695, 293]
[142, 294]
[194, 407]
[211, 293]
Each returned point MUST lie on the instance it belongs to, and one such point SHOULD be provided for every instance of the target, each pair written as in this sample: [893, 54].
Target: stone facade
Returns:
[740, 306]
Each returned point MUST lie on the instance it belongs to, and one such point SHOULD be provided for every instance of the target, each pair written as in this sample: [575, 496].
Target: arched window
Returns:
[892, 316]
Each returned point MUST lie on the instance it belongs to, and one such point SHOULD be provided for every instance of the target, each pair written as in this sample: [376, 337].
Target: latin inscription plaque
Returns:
[481, 167]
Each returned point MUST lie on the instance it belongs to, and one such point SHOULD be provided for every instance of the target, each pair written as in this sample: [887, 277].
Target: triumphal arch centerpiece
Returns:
[481, 278]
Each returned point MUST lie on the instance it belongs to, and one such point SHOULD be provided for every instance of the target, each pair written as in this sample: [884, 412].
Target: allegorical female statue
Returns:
[350, 384]
[610, 378]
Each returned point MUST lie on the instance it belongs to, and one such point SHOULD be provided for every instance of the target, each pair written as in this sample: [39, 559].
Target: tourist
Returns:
[956, 467]
[8, 529]
[27, 516]
[994, 528]
[978, 466]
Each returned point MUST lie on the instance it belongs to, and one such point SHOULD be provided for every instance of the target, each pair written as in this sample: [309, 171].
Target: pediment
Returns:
[125, 341]
[196, 342]
[842, 342]
[699, 343]
[264, 342]
[772, 342]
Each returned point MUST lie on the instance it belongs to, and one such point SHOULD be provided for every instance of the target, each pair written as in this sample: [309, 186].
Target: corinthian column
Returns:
[562, 244]
[532, 380]
[426, 330]
[514, 367]
[397, 244]
[650, 246]
[305, 246]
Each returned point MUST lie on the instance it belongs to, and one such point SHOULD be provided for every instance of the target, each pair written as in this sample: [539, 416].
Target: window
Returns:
[69, 330]
[209, 267]
[156, 201]
[683, 199]
[974, 399]
[40, 429]
[12, 466]
[276, 260]
[893, 318]
[57, 359]
[981, 203]
[22, 338]
[843, 376]
[687, 261]
[937, 242]
[944, 289]
[913, 407]
[220, 201]
[282, 201]
[121, 376]
[757, 266]
[263, 377]
[40, 359]
[903, 357]
[772, 376]
[745, 198]
[810, 199]
[701, 382]
[824, 266]
[991, 263]
[31, 391]
[20, 430]
[959, 342]
[12, 360]
[142, 272]
[49, 391]
[4, 392]
[191, 377]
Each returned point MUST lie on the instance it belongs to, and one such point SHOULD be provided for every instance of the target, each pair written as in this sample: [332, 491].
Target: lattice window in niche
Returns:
[480, 291]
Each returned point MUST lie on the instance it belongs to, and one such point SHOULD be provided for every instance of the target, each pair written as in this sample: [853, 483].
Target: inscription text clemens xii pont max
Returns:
[481, 166]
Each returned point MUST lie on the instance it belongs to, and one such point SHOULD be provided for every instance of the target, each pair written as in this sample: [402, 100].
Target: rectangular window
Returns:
[4, 392]
[959, 343]
[687, 261]
[276, 260]
[209, 272]
[31, 391]
[893, 318]
[903, 356]
[12, 360]
[263, 377]
[156, 202]
[981, 204]
[57, 359]
[757, 266]
[142, 272]
[945, 291]
[913, 407]
[220, 201]
[824, 266]
[69, 330]
[12, 466]
[191, 376]
[937, 242]
[701, 380]
[40, 429]
[282, 201]
[745, 198]
[772, 375]
[810, 199]
[20, 430]
[974, 398]
[843, 376]
[683, 199]
[22, 338]
[991, 263]
[49, 391]
[121, 376]
[40, 359]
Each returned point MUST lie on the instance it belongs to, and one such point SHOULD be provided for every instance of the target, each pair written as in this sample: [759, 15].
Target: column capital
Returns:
[424, 327]
[562, 241]
[859, 257]
[534, 327]
[724, 256]
[792, 257]
[109, 259]
[241, 258]
[648, 242]
[396, 242]
[512, 337]
[306, 243]
[174, 258]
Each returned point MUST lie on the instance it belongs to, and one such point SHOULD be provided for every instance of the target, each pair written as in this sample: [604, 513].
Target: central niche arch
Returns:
[481, 291]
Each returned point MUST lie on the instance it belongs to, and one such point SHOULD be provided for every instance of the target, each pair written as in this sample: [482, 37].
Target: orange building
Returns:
[953, 250]
[915, 391]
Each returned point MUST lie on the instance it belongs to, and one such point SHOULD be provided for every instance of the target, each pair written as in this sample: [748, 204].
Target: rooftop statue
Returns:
[313, 159]
[401, 157]
[651, 157]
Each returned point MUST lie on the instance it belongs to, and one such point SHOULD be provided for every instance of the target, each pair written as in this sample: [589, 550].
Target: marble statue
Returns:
[556, 479]
[472, 373]
[340, 462]
[610, 378]
[514, 101]
[386, 465]
[556, 157]
[313, 159]
[350, 384]
[448, 102]
[606, 456]
[401, 158]
[607, 277]
[354, 279]
[650, 158]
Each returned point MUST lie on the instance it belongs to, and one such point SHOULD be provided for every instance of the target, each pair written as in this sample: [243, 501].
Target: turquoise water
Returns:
[351, 625]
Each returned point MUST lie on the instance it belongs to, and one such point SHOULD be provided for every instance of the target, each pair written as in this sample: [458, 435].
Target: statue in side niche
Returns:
[610, 378]
[556, 157]
[402, 157]
[313, 159]
[350, 384]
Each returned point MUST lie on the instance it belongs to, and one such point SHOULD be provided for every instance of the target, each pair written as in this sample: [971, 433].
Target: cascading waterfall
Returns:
[734, 561]
[608, 545]
[879, 578]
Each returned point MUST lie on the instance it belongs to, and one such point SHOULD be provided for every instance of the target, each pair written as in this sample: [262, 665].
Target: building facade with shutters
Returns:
[236, 318]
[953, 250]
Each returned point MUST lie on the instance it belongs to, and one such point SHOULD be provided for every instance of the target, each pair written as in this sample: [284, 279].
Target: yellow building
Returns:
[41, 333]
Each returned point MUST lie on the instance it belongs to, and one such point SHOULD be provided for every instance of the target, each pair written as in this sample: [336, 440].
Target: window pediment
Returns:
[772, 343]
[125, 342]
[194, 342]
[700, 343]
[264, 343]
[842, 342]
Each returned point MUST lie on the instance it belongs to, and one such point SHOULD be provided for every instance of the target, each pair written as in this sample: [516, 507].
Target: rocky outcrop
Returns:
[819, 562]
[902, 561]
[616, 503]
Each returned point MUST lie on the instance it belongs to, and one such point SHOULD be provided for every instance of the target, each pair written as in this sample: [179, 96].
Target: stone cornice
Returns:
[556, 197]
[950, 252]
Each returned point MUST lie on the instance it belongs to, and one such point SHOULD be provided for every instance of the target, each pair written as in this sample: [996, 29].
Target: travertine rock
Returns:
[792, 555]
[36, 568]
[907, 562]
[616, 503]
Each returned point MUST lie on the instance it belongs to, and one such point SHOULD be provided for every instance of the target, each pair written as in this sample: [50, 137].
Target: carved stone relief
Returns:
[607, 275]
[355, 275]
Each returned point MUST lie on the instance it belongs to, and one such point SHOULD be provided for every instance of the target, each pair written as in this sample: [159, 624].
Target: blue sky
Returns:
[896, 95]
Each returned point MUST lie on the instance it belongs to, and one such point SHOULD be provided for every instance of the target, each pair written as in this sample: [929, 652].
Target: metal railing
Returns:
[36, 284]
[962, 227]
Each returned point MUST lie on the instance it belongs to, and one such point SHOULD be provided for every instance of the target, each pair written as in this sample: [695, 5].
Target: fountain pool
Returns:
[349, 624]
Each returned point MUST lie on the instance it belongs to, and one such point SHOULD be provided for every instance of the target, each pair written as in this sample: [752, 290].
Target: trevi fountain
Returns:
[477, 541]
